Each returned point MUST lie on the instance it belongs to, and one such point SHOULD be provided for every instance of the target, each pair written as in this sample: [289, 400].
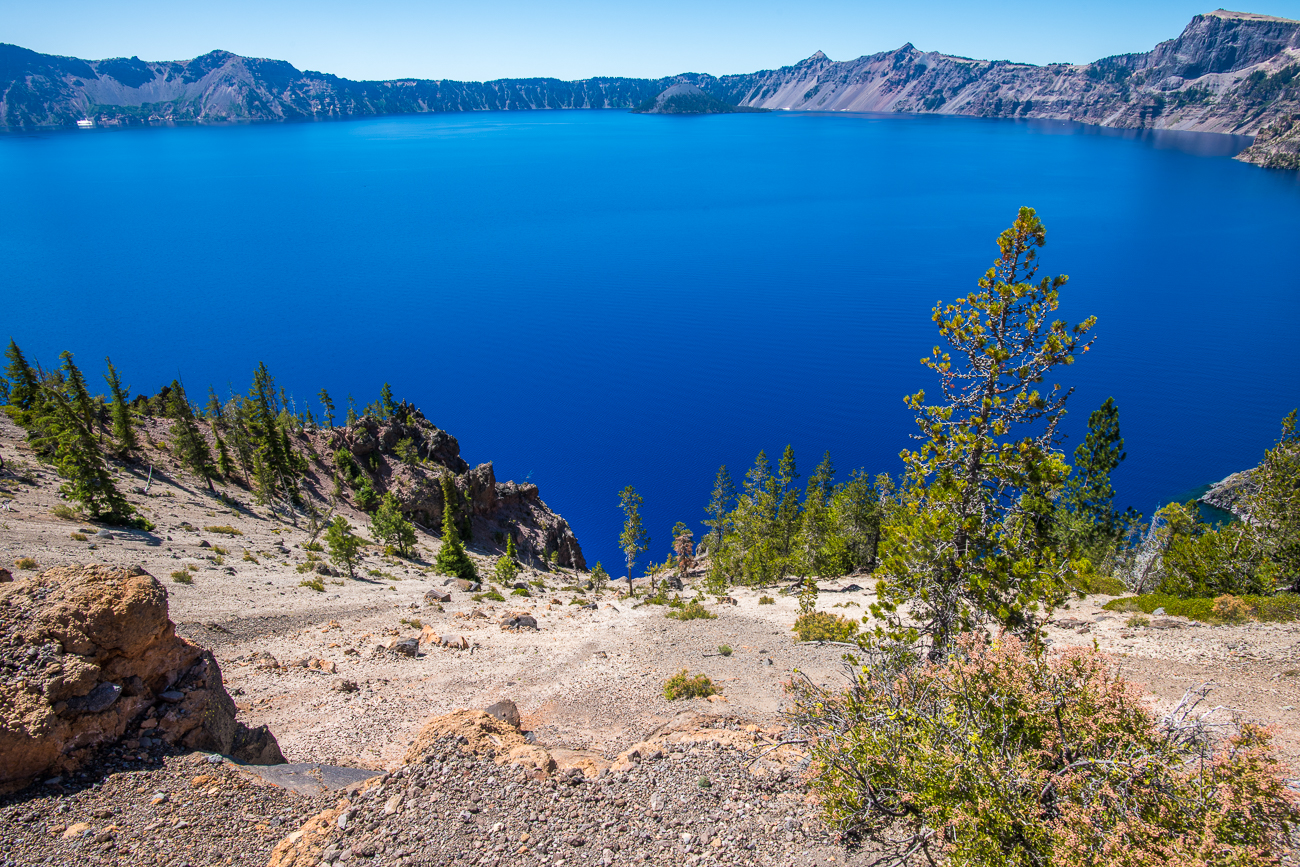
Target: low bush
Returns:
[78, 537]
[25, 563]
[1230, 609]
[64, 512]
[1093, 583]
[219, 551]
[766, 600]
[493, 595]
[684, 685]
[1138, 620]
[692, 610]
[182, 576]
[1003, 754]
[724, 650]
[414, 622]
[520, 591]
[824, 626]
[317, 547]
[1280, 608]
[313, 584]
[224, 530]
[249, 558]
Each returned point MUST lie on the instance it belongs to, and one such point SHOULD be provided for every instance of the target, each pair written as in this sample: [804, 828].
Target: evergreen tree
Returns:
[240, 438]
[683, 548]
[26, 402]
[215, 413]
[352, 411]
[344, 546]
[856, 516]
[753, 548]
[1089, 494]
[77, 456]
[75, 385]
[123, 428]
[970, 544]
[816, 525]
[391, 527]
[1275, 507]
[452, 559]
[634, 540]
[507, 565]
[270, 459]
[329, 408]
[786, 495]
[599, 578]
[225, 466]
[187, 440]
[387, 408]
[719, 507]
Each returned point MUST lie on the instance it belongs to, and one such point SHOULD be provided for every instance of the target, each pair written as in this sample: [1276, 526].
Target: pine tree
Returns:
[75, 384]
[719, 507]
[352, 411]
[187, 440]
[225, 466]
[970, 545]
[270, 460]
[1275, 507]
[26, 398]
[634, 540]
[452, 559]
[344, 547]
[329, 408]
[1089, 494]
[387, 408]
[77, 455]
[214, 411]
[816, 526]
[787, 511]
[507, 565]
[391, 527]
[240, 438]
[123, 428]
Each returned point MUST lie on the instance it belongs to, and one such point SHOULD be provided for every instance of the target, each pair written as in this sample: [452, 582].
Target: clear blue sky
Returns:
[482, 39]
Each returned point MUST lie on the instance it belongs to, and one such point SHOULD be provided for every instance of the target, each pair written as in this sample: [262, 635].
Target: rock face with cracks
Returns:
[86, 651]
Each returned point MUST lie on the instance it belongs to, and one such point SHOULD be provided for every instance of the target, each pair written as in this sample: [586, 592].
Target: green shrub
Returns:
[492, 595]
[766, 600]
[683, 685]
[64, 512]
[224, 530]
[414, 622]
[724, 650]
[1002, 754]
[1280, 608]
[824, 626]
[25, 563]
[692, 610]
[520, 591]
[182, 576]
[1138, 620]
[316, 547]
[219, 551]
[78, 537]
[313, 584]
[1088, 584]
[249, 558]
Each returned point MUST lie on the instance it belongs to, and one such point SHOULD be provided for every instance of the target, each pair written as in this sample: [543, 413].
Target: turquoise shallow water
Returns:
[593, 299]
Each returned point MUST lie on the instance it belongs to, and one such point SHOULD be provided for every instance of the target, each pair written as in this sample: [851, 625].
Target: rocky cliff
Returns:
[1277, 146]
[1227, 72]
[407, 455]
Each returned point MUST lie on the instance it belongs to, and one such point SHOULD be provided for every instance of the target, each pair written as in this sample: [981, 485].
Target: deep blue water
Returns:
[596, 299]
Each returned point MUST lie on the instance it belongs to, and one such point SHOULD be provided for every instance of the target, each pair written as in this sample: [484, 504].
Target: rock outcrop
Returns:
[1232, 494]
[407, 455]
[88, 651]
[686, 98]
[1277, 146]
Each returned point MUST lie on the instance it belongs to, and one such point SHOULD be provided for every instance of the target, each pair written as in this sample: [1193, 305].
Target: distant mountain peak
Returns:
[1248, 16]
[817, 57]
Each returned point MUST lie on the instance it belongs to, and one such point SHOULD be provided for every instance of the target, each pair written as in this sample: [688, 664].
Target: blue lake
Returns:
[593, 299]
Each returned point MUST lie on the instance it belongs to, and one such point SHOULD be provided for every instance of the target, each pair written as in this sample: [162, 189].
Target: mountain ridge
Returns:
[1227, 72]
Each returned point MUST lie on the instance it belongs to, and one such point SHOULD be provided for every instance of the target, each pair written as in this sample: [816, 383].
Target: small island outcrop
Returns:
[686, 98]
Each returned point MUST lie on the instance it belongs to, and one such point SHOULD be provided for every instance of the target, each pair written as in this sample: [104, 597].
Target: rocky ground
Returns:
[327, 672]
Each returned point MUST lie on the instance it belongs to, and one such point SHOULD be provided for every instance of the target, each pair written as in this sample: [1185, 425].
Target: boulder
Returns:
[92, 651]
[506, 711]
[6, 576]
[520, 621]
[481, 733]
[434, 597]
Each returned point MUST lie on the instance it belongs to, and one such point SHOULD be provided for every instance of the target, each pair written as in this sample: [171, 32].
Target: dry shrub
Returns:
[683, 685]
[1230, 609]
[25, 563]
[1001, 755]
[824, 626]
[182, 576]
[224, 529]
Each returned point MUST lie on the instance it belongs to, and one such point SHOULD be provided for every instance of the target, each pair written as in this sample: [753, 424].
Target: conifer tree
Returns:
[240, 439]
[344, 546]
[387, 407]
[187, 440]
[1089, 493]
[635, 539]
[270, 460]
[786, 496]
[719, 507]
[452, 559]
[26, 398]
[225, 466]
[391, 527]
[1275, 506]
[75, 384]
[507, 565]
[215, 413]
[77, 455]
[123, 428]
[329, 408]
[970, 544]
[352, 411]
